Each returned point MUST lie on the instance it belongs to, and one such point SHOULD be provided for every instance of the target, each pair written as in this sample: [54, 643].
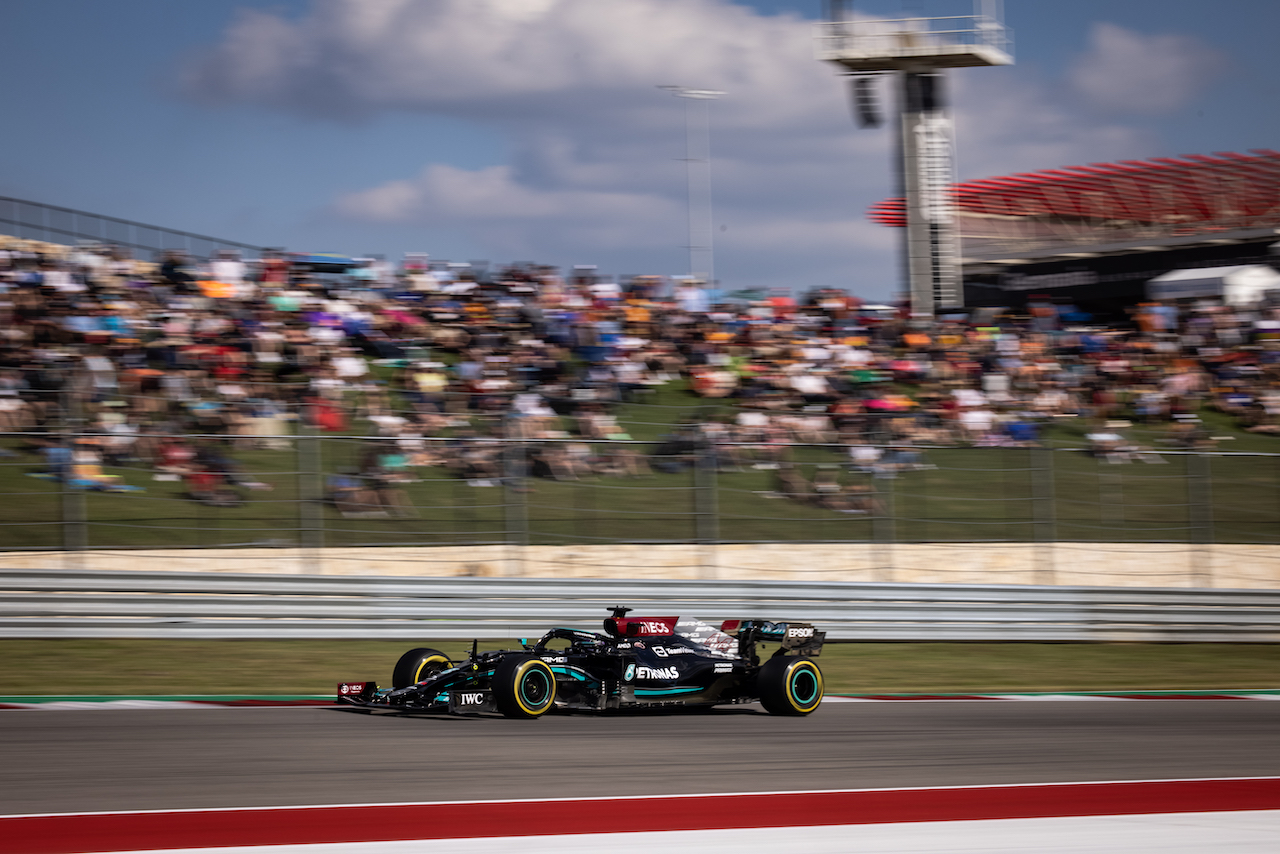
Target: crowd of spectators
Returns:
[444, 362]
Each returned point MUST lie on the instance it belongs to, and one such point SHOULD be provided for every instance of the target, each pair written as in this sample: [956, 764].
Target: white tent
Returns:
[1241, 285]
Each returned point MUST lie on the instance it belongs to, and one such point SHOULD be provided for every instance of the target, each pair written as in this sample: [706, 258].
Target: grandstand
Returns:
[51, 229]
[1095, 235]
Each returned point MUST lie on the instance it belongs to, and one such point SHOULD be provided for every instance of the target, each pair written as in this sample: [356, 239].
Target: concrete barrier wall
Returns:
[1076, 564]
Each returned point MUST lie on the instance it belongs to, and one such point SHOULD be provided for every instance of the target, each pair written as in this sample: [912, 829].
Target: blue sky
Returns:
[532, 129]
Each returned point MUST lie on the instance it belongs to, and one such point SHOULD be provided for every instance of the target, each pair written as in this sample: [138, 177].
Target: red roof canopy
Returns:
[1195, 189]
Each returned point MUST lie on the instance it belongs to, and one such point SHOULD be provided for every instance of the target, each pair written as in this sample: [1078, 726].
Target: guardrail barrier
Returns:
[66, 604]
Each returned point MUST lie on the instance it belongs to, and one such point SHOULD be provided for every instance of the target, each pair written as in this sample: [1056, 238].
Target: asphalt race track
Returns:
[74, 761]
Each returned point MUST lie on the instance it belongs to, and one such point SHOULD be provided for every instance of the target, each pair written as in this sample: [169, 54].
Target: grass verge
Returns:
[156, 667]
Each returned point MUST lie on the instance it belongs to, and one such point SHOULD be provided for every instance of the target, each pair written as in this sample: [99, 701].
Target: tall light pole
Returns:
[698, 151]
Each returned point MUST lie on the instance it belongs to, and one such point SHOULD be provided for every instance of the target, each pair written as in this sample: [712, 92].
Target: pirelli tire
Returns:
[523, 687]
[790, 686]
[417, 665]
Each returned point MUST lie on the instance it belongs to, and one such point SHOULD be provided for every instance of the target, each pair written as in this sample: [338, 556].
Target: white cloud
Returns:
[1129, 72]
[492, 197]
[444, 194]
[594, 171]
[348, 57]
[1008, 123]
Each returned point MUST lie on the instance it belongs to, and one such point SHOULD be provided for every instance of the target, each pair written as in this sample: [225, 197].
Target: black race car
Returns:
[638, 662]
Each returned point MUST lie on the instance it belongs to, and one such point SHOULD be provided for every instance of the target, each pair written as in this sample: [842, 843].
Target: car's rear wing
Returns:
[795, 638]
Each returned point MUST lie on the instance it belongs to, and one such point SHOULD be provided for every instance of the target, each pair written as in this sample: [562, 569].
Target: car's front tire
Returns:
[523, 687]
[417, 665]
[790, 686]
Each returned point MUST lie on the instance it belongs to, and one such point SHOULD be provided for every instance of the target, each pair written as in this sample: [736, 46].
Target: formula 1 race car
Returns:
[639, 662]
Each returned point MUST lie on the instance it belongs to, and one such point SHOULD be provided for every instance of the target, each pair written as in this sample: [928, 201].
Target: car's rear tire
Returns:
[523, 687]
[790, 686]
[417, 665]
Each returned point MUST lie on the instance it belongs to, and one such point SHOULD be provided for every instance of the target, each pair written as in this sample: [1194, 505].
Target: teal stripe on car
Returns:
[663, 692]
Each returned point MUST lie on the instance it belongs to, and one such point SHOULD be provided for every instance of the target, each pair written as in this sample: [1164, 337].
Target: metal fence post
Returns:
[74, 511]
[75, 533]
[1110, 496]
[883, 525]
[706, 512]
[1200, 519]
[515, 503]
[1043, 513]
[310, 497]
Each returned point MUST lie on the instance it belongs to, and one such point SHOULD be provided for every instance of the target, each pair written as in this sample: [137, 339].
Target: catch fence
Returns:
[901, 509]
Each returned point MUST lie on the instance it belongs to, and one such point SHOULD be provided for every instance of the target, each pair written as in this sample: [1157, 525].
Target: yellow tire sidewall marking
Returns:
[431, 659]
[551, 685]
[817, 676]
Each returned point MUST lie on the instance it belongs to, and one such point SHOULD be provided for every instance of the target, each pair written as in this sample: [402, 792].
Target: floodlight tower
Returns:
[917, 51]
[698, 158]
